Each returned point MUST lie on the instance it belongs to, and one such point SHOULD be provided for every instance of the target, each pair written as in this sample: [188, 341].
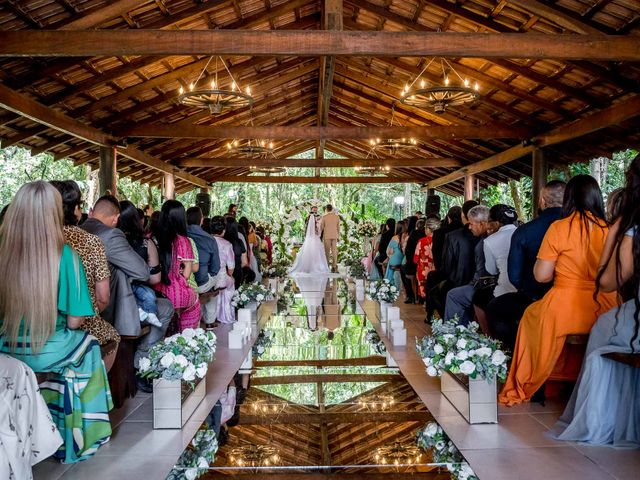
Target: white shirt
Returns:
[496, 255]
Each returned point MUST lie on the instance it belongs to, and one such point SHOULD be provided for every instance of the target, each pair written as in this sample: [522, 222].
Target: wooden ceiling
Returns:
[69, 105]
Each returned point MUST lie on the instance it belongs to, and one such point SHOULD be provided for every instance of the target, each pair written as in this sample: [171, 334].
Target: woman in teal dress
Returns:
[41, 310]
[396, 257]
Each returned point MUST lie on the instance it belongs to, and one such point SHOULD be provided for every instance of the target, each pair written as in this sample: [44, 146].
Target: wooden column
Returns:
[469, 186]
[539, 173]
[107, 174]
[169, 186]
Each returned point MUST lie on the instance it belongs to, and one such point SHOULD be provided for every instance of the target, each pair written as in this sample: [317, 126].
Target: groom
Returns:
[330, 230]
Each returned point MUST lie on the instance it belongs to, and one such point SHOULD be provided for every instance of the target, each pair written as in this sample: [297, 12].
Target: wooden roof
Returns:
[132, 98]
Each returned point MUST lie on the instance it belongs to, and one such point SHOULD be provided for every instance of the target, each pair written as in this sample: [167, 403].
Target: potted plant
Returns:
[197, 459]
[178, 367]
[251, 295]
[469, 364]
[385, 293]
[433, 438]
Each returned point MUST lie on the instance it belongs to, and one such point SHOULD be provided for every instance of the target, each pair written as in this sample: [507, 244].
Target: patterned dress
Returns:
[91, 251]
[226, 312]
[182, 295]
[78, 395]
[423, 258]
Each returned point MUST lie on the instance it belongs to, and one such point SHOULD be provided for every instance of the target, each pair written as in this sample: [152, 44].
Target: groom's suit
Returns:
[330, 228]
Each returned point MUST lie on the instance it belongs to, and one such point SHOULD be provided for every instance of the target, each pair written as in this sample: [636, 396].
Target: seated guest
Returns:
[423, 256]
[232, 235]
[458, 261]
[395, 257]
[27, 432]
[129, 223]
[126, 267]
[460, 299]
[452, 221]
[41, 311]
[176, 261]
[94, 260]
[604, 407]
[207, 275]
[569, 256]
[409, 267]
[502, 219]
[225, 312]
[504, 312]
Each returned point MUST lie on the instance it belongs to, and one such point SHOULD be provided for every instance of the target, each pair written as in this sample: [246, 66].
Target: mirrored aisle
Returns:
[322, 400]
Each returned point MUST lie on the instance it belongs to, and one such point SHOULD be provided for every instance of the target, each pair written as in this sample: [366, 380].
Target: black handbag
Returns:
[485, 282]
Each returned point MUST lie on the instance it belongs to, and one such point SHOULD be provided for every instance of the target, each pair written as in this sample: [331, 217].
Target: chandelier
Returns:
[262, 407]
[398, 454]
[251, 148]
[391, 146]
[254, 456]
[213, 96]
[376, 402]
[420, 95]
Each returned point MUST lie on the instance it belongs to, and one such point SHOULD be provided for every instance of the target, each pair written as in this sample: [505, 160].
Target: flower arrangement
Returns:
[374, 339]
[250, 292]
[383, 291]
[278, 269]
[184, 356]
[367, 229]
[263, 341]
[462, 349]
[267, 226]
[355, 267]
[195, 461]
[433, 438]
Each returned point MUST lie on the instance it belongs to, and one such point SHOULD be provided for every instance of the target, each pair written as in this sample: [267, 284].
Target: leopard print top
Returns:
[94, 260]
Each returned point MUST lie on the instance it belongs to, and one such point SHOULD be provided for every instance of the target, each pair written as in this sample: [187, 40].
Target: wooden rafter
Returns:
[372, 161]
[58, 43]
[333, 417]
[314, 179]
[96, 17]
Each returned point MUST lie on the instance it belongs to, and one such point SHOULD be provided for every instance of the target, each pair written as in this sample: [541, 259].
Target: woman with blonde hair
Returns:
[41, 311]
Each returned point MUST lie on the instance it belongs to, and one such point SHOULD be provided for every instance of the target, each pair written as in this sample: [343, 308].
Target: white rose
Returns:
[432, 371]
[448, 358]
[447, 337]
[182, 360]
[498, 357]
[145, 364]
[191, 473]
[465, 472]
[483, 351]
[201, 371]
[462, 355]
[440, 445]
[259, 297]
[167, 359]
[461, 343]
[438, 349]
[202, 463]
[189, 374]
[192, 343]
[188, 333]
[393, 288]
[431, 429]
[467, 367]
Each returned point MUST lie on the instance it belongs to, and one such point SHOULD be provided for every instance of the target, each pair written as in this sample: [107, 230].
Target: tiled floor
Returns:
[514, 449]
[517, 447]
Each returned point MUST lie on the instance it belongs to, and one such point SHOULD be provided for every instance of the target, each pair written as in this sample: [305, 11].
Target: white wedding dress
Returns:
[311, 259]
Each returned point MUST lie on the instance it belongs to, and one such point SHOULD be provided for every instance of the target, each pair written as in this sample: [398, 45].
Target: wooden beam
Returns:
[326, 378]
[617, 113]
[314, 179]
[424, 162]
[335, 417]
[432, 474]
[557, 16]
[330, 132]
[347, 362]
[57, 43]
[107, 12]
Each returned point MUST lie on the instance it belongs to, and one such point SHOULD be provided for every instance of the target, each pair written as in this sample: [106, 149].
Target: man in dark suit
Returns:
[126, 266]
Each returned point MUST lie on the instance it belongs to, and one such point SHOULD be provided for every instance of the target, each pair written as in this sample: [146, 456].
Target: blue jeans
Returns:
[460, 303]
[145, 298]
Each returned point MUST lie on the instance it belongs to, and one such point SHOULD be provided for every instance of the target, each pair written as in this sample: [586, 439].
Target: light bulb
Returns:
[422, 84]
[476, 86]
[446, 80]
[233, 86]
[213, 84]
[229, 148]
[248, 91]
[271, 147]
[181, 90]
[466, 82]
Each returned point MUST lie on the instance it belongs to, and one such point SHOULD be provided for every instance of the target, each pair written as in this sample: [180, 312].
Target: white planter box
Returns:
[399, 337]
[170, 410]
[390, 361]
[383, 311]
[247, 365]
[477, 402]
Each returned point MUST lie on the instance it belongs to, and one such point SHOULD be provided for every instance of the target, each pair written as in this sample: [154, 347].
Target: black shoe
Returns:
[409, 301]
[144, 385]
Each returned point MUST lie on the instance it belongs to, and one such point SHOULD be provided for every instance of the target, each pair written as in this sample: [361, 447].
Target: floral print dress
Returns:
[423, 258]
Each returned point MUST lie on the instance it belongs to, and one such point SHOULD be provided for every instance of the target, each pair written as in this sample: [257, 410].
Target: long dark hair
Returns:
[171, 223]
[629, 218]
[71, 198]
[129, 222]
[232, 235]
[386, 237]
[583, 196]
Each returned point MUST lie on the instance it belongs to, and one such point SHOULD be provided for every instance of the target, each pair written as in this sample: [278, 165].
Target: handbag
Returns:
[485, 282]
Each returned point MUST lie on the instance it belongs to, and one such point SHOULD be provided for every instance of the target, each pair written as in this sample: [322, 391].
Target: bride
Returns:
[311, 258]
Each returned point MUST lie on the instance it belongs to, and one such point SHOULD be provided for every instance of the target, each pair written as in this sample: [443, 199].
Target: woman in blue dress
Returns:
[41, 310]
[396, 257]
[604, 408]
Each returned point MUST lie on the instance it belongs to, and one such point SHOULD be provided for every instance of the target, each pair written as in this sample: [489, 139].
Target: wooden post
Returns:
[469, 186]
[539, 173]
[169, 186]
[107, 174]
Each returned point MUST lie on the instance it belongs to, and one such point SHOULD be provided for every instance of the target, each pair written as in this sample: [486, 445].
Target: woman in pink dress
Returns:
[226, 313]
[176, 260]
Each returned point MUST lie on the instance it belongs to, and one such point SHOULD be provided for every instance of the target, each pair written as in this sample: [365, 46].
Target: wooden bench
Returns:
[631, 359]
[568, 366]
[122, 376]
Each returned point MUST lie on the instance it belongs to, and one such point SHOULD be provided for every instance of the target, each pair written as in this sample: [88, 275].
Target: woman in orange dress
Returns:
[569, 255]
